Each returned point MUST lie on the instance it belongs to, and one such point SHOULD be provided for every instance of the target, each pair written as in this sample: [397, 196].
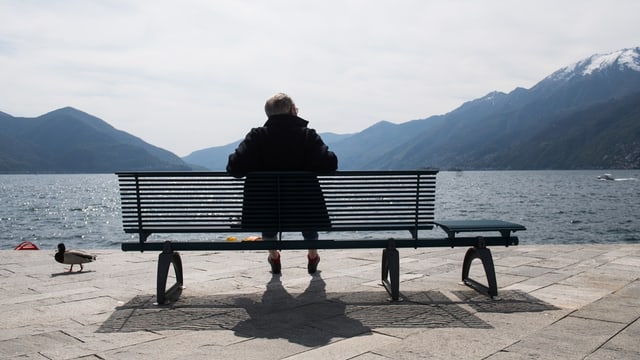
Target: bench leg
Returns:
[391, 272]
[167, 258]
[484, 254]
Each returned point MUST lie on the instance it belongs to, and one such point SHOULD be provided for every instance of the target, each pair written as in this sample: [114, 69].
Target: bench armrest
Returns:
[452, 227]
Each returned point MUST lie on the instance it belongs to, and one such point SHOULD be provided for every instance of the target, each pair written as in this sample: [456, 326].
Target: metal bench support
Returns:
[391, 270]
[167, 258]
[484, 254]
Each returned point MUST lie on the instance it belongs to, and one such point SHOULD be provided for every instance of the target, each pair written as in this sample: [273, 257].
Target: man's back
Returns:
[285, 143]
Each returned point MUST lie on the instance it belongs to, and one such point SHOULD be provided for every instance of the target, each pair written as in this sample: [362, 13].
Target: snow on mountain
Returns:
[625, 58]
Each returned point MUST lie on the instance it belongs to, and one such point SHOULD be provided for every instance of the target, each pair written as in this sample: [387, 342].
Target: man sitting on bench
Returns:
[284, 143]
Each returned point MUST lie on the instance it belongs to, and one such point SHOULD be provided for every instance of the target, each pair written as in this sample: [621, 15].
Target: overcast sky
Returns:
[187, 75]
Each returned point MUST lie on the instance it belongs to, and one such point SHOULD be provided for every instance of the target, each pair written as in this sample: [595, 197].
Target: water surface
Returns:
[557, 207]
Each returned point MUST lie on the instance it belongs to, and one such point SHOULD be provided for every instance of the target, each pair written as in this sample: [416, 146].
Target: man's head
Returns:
[280, 104]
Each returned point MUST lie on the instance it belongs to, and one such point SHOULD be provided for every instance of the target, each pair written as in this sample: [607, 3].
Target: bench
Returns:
[375, 202]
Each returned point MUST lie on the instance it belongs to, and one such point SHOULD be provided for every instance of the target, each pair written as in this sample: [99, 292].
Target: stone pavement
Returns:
[556, 302]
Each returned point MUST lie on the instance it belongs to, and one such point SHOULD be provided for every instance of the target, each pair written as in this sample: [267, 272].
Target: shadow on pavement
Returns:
[313, 317]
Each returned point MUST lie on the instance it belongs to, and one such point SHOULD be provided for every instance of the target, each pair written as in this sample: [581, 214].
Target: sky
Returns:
[192, 74]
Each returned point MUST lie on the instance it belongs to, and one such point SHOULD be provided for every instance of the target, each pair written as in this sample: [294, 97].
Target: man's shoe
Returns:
[275, 264]
[312, 265]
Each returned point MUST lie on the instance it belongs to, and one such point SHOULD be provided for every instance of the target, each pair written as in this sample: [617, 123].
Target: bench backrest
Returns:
[188, 202]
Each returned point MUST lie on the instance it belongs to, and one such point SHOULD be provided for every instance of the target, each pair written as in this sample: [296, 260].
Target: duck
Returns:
[73, 257]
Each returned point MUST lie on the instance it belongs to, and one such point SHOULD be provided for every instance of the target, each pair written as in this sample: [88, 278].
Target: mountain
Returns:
[69, 140]
[214, 158]
[584, 116]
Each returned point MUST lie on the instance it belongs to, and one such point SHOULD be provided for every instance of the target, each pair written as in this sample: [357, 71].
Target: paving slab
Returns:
[557, 301]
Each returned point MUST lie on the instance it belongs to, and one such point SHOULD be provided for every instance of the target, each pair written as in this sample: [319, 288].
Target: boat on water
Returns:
[605, 177]
[610, 177]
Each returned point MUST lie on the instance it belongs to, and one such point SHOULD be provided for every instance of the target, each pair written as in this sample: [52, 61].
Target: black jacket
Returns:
[296, 202]
[284, 143]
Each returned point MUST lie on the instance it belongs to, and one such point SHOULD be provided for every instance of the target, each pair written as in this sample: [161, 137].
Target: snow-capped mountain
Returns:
[625, 59]
[583, 116]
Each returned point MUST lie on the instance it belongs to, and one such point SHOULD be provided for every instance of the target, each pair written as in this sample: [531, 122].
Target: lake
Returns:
[557, 207]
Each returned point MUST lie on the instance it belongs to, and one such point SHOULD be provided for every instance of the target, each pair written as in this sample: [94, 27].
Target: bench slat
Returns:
[213, 201]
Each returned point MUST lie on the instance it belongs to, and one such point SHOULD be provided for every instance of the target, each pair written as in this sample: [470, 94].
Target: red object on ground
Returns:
[27, 245]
